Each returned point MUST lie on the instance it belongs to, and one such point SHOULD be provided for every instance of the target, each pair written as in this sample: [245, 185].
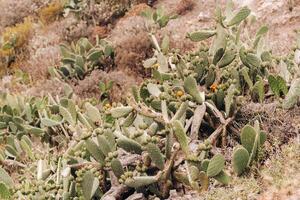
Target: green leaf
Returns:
[262, 30]
[94, 55]
[140, 181]
[190, 86]
[216, 165]
[181, 111]
[277, 85]
[293, 95]
[149, 62]
[5, 178]
[129, 145]
[89, 185]
[49, 122]
[263, 137]
[228, 58]
[229, 101]
[66, 115]
[104, 145]
[165, 44]
[122, 111]
[240, 160]
[181, 137]
[201, 35]
[92, 112]
[223, 178]
[240, 16]
[259, 90]
[155, 155]
[163, 21]
[4, 191]
[94, 150]
[248, 135]
[245, 73]
[153, 89]
[117, 167]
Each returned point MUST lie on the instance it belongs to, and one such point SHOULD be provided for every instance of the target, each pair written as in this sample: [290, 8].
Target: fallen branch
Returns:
[214, 136]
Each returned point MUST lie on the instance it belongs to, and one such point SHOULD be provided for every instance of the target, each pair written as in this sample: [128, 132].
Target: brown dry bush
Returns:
[132, 45]
[184, 6]
[89, 87]
[13, 11]
[51, 12]
[45, 87]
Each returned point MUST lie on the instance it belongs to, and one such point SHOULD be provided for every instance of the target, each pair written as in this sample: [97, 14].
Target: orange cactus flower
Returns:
[214, 87]
[179, 93]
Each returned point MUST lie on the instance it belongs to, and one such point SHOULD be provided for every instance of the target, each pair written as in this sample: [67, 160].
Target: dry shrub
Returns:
[132, 45]
[19, 33]
[100, 31]
[45, 87]
[43, 51]
[89, 87]
[281, 124]
[51, 12]
[15, 39]
[14, 11]
[76, 29]
[137, 10]
[184, 6]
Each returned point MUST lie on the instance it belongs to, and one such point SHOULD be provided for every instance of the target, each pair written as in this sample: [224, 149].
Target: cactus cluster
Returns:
[252, 138]
[81, 58]
[169, 133]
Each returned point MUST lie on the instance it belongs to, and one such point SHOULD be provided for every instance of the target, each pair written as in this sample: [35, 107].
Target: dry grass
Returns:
[89, 87]
[184, 6]
[132, 45]
[18, 35]
[51, 12]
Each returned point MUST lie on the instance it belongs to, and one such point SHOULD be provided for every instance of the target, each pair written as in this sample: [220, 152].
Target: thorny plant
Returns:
[171, 133]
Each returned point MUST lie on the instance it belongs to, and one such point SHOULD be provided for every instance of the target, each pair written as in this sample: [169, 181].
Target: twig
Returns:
[81, 165]
[214, 136]
[143, 110]
[115, 193]
[216, 112]
[13, 163]
[197, 120]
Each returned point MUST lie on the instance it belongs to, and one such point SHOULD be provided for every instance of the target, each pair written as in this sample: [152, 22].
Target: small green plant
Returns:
[252, 139]
[81, 58]
[105, 89]
[157, 17]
